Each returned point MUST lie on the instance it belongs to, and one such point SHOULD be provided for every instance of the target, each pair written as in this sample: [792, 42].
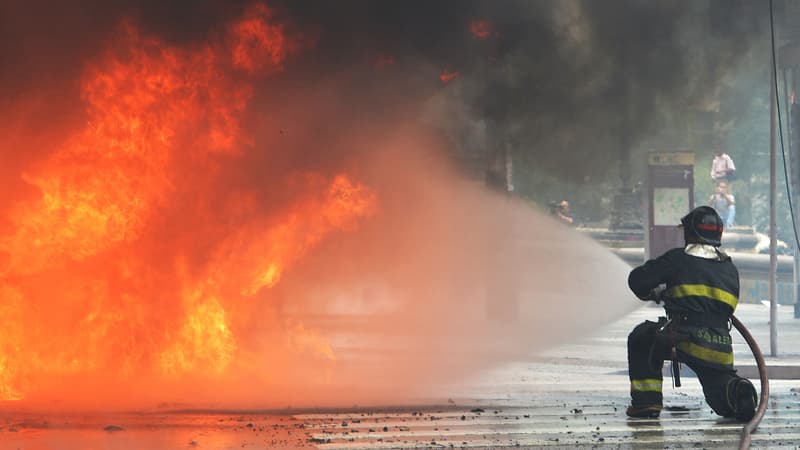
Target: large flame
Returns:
[96, 277]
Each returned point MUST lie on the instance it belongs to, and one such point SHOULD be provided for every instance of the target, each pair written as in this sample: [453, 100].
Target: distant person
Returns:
[699, 287]
[560, 210]
[722, 167]
[723, 203]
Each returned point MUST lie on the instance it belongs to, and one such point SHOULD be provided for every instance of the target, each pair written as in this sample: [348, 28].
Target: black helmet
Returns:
[704, 224]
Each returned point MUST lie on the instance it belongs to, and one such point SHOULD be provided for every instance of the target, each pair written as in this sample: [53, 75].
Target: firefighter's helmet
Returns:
[704, 224]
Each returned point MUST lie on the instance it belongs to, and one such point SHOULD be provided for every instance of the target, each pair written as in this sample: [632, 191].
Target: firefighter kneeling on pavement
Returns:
[699, 286]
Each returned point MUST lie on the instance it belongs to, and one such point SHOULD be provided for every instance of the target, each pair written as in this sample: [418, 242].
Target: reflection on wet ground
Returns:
[573, 396]
[567, 424]
[212, 430]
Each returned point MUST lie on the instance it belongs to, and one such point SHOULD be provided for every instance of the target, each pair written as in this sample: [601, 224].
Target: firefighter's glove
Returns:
[657, 293]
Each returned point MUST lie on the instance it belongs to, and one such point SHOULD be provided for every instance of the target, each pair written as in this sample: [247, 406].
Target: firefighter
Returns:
[699, 286]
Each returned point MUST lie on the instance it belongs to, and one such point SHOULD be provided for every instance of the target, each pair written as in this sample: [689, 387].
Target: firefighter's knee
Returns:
[642, 336]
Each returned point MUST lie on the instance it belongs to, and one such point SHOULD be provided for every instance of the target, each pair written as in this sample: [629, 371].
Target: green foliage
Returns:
[742, 126]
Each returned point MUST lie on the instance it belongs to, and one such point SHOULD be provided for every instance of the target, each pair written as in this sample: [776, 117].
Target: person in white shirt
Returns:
[722, 167]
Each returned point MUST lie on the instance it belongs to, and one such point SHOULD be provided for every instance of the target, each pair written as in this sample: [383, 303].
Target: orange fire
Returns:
[136, 256]
[481, 29]
[447, 76]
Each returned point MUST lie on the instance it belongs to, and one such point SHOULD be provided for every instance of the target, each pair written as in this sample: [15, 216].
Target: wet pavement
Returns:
[572, 396]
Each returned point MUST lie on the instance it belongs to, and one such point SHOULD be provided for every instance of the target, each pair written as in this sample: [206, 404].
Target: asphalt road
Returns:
[572, 396]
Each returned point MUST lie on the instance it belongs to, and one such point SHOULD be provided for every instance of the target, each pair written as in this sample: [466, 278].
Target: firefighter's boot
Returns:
[745, 399]
[644, 412]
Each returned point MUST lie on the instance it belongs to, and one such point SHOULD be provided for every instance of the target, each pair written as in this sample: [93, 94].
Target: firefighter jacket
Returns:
[702, 291]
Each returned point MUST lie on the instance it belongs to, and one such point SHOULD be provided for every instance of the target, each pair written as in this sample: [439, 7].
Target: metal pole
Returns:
[796, 290]
[773, 258]
[794, 182]
[787, 102]
[788, 113]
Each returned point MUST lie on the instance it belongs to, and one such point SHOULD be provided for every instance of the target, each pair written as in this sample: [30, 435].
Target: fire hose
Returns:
[749, 427]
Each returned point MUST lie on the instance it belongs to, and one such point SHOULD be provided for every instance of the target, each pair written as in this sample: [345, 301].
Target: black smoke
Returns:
[564, 83]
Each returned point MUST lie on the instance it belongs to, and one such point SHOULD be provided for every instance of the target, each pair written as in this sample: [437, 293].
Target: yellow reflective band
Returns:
[646, 385]
[701, 290]
[706, 354]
